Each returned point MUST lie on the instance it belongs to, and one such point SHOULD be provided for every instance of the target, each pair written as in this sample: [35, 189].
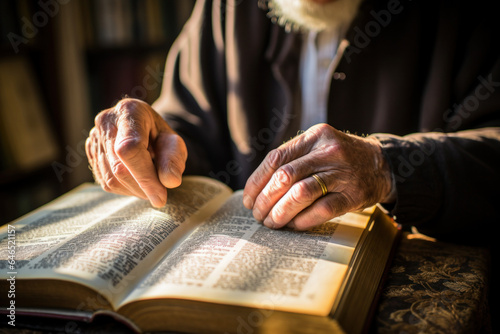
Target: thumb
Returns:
[171, 155]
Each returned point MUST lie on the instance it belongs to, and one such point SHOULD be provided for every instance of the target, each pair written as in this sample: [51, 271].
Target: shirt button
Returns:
[339, 76]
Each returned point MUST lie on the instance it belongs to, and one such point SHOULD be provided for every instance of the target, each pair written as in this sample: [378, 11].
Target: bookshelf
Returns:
[77, 57]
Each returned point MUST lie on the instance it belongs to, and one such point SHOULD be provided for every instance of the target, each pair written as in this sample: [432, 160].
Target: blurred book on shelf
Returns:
[127, 42]
[28, 138]
[113, 23]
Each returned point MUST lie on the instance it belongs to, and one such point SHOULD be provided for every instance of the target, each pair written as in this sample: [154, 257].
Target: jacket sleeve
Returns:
[448, 176]
[447, 184]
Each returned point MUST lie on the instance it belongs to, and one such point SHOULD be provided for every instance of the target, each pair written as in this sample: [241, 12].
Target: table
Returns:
[435, 287]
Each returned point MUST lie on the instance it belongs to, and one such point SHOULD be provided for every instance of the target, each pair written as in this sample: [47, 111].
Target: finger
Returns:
[114, 176]
[88, 152]
[171, 155]
[118, 177]
[281, 182]
[96, 168]
[322, 210]
[261, 176]
[300, 196]
[105, 176]
[278, 185]
[91, 151]
[275, 159]
[131, 146]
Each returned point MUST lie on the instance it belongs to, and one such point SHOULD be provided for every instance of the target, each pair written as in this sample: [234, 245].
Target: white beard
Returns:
[308, 15]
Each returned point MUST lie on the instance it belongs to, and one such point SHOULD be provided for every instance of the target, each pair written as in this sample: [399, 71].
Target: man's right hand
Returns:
[133, 151]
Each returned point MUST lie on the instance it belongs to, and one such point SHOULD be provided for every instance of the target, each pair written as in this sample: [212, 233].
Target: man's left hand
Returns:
[282, 190]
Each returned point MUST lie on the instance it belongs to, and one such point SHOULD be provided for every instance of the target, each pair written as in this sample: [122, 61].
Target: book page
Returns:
[233, 259]
[108, 241]
[51, 225]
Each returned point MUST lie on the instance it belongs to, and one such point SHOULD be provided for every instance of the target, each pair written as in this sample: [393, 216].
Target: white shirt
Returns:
[321, 53]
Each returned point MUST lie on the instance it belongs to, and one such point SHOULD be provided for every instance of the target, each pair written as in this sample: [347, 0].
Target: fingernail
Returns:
[157, 201]
[174, 170]
[247, 202]
[269, 222]
[257, 215]
[173, 177]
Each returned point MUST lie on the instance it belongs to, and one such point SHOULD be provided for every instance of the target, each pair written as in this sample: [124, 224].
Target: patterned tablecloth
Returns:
[435, 287]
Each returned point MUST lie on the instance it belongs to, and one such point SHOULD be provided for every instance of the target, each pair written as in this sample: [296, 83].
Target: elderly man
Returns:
[416, 81]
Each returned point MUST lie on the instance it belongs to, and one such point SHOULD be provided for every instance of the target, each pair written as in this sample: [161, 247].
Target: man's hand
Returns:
[282, 191]
[133, 151]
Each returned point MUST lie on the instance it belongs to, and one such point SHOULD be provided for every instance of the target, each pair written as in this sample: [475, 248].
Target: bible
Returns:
[201, 263]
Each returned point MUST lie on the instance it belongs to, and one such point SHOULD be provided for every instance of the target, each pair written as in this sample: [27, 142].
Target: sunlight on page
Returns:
[233, 259]
[249, 275]
[50, 226]
[108, 241]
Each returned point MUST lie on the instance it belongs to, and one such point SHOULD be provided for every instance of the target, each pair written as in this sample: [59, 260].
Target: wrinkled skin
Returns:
[132, 151]
[282, 192]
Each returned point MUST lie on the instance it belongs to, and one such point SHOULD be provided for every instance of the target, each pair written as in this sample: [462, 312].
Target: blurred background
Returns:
[61, 62]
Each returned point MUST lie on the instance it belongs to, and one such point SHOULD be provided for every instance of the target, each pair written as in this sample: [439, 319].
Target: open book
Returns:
[202, 263]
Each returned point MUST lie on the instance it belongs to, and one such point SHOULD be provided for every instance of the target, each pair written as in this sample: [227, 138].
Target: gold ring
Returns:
[322, 184]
